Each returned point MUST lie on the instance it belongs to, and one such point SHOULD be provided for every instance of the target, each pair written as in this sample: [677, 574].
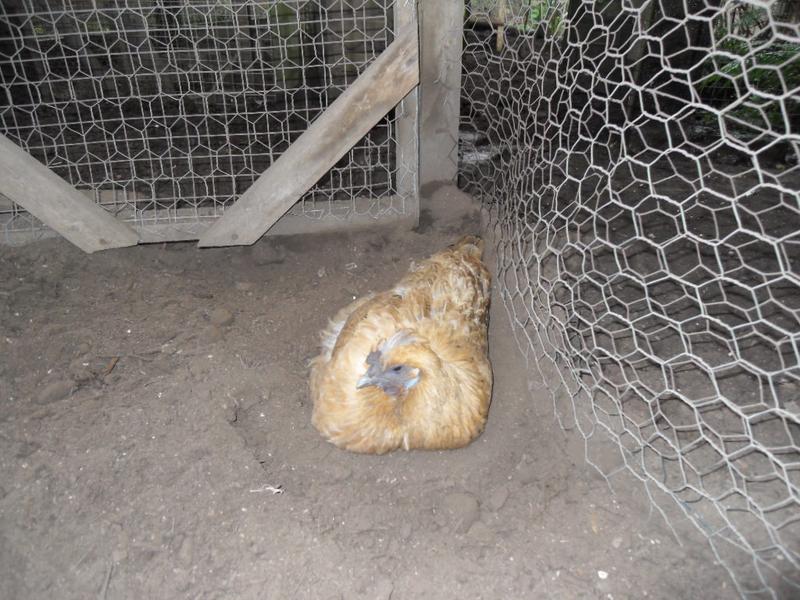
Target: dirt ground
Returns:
[153, 400]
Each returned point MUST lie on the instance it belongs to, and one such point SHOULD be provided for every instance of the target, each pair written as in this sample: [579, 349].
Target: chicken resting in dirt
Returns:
[409, 367]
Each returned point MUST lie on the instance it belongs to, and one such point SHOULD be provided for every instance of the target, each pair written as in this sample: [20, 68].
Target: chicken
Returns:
[409, 367]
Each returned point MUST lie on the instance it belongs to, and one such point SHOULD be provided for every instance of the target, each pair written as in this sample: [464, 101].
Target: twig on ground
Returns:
[110, 366]
[268, 488]
[104, 593]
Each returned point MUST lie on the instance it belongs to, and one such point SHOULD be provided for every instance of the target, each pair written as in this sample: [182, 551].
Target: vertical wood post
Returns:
[407, 126]
[441, 44]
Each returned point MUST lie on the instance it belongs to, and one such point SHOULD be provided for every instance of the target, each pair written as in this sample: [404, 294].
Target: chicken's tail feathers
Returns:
[471, 244]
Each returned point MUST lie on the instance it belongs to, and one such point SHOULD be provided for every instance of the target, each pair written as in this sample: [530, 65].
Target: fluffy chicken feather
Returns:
[409, 367]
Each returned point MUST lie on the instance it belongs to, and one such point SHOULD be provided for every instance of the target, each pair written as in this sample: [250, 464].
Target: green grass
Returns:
[752, 80]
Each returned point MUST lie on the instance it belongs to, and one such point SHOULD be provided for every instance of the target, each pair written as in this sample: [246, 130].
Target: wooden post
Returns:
[406, 126]
[379, 89]
[441, 44]
[57, 204]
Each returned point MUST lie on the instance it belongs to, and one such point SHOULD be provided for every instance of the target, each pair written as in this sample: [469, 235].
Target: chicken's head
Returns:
[394, 377]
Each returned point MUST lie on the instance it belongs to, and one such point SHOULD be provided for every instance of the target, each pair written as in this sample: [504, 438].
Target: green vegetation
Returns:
[549, 13]
[749, 69]
[523, 15]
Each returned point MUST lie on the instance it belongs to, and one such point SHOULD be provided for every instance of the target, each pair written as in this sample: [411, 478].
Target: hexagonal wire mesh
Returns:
[165, 111]
[640, 160]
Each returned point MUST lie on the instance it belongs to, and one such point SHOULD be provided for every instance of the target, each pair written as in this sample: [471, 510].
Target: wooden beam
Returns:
[407, 127]
[349, 118]
[57, 204]
[187, 224]
[441, 25]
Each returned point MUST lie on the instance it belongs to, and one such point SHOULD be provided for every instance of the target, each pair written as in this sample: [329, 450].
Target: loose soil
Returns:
[155, 442]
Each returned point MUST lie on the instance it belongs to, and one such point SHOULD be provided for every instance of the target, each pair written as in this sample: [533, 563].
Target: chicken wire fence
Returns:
[640, 160]
[165, 111]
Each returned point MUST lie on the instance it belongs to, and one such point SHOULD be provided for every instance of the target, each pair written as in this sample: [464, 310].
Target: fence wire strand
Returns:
[640, 161]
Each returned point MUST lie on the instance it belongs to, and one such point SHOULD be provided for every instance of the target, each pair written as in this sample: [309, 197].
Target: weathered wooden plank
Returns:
[379, 89]
[288, 224]
[56, 203]
[407, 126]
[441, 25]
[187, 224]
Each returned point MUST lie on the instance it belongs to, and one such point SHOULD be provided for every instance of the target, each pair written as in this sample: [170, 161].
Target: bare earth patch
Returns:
[155, 442]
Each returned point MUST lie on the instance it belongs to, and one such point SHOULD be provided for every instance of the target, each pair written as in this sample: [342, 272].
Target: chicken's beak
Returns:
[365, 381]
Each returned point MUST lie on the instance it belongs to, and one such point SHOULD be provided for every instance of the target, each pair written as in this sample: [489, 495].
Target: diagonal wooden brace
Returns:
[57, 204]
[349, 118]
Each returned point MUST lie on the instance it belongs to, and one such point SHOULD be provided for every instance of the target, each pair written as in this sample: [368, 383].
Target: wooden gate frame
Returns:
[388, 82]
[369, 98]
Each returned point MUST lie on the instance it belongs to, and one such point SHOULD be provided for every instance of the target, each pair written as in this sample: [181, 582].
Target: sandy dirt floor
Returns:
[154, 399]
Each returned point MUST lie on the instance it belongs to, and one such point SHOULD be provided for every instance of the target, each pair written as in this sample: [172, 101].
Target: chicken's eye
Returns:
[397, 369]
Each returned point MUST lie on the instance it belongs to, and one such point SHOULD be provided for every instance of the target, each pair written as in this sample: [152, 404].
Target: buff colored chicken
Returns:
[409, 367]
